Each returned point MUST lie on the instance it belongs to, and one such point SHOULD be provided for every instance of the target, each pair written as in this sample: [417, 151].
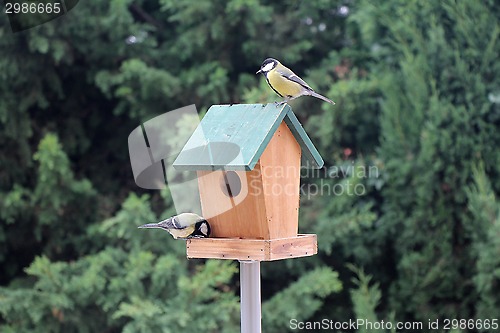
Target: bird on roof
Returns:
[286, 83]
[183, 226]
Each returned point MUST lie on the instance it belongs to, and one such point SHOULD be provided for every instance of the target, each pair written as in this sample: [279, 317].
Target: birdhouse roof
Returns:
[233, 137]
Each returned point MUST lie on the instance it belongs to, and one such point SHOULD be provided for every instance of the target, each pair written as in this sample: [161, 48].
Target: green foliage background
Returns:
[417, 87]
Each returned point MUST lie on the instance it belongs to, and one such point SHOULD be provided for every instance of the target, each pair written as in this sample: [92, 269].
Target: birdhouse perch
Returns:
[248, 159]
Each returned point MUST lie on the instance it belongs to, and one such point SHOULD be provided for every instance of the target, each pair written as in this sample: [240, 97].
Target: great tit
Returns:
[286, 83]
[185, 225]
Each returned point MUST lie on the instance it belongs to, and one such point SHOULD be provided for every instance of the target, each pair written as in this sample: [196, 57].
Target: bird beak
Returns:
[149, 226]
[259, 71]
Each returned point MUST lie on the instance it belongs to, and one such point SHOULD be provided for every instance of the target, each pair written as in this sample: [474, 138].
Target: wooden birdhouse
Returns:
[248, 159]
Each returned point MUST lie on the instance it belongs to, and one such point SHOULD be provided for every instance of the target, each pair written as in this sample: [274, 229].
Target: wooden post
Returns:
[250, 296]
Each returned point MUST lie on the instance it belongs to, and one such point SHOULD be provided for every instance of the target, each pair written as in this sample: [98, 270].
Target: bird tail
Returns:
[315, 94]
[149, 226]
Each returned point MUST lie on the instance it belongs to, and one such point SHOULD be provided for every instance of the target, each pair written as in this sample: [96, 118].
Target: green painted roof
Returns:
[233, 137]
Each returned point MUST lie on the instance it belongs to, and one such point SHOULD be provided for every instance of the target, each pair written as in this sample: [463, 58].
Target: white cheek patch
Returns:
[268, 67]
[204, 229]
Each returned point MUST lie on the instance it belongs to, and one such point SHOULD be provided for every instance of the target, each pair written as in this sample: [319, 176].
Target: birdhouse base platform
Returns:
[303, 245]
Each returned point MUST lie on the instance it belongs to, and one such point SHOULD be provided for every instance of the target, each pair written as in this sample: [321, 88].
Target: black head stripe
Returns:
[197, 229]
[268, 61]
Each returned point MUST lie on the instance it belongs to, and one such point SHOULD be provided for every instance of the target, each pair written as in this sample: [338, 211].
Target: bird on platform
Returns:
[183, 226]
[286, 83]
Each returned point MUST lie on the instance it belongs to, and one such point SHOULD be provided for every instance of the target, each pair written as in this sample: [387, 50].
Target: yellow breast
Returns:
[182, 233]
[284, 86]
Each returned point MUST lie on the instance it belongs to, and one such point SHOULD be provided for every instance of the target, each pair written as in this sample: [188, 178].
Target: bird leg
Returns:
[287, 99]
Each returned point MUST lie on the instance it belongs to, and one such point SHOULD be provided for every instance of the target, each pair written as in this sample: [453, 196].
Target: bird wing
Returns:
[170, 223]
[289, 75]
[175, 223]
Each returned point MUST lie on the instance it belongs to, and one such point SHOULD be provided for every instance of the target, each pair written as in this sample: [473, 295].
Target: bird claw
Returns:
[195, 236]
[280, 103]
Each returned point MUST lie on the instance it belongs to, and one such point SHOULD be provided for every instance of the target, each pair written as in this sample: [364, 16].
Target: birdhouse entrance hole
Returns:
[230, 183]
